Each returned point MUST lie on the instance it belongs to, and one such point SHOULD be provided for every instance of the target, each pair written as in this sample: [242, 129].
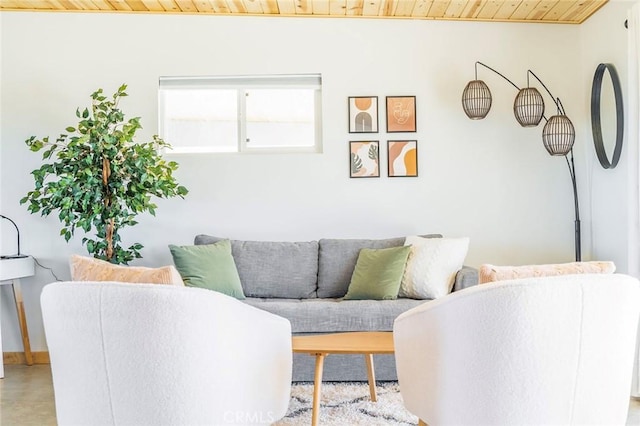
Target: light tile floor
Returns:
[26, 398]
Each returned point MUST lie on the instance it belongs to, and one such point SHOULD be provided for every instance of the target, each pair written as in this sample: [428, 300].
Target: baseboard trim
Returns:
[17, 358]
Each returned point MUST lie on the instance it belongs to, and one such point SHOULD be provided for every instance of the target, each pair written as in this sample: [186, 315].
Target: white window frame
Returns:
[241, 84]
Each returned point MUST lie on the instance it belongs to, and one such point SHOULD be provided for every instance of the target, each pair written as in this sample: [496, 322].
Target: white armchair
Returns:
[148, 354]
[556, 350]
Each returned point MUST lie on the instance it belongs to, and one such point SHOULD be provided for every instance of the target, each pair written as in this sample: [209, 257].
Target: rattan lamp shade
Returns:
[558, 135]
[476, 99]
[528, 107]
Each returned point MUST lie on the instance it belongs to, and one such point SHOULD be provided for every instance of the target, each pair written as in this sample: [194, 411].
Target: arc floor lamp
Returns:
[558, 134]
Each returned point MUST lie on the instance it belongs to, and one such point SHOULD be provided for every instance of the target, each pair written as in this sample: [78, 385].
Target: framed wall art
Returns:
[363, 114]
[401, 114]
[364, 159]
[402, 158]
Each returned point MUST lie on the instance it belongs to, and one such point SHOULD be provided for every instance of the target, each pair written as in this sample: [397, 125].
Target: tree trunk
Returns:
[106, 172]
[109, 237]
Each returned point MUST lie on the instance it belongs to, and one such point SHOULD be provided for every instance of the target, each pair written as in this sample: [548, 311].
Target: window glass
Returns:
[280, 118]
[201, 120]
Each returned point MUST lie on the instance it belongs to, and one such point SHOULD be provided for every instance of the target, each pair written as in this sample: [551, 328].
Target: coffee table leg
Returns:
[371, 374]
[317, 385]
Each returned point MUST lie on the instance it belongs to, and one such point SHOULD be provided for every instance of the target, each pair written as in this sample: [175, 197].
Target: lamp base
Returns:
[577, 240]
[14, 256]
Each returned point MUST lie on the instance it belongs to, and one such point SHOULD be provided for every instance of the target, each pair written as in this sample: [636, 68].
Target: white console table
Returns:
[11, 270]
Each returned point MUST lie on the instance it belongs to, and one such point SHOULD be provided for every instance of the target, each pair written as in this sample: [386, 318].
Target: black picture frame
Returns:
[401, 114]
[364, 159]
[363, 114]
[405, 151]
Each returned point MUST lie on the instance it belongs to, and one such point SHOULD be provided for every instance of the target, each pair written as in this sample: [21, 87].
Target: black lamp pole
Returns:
[555, 100]
[576, 207]
[499, 73]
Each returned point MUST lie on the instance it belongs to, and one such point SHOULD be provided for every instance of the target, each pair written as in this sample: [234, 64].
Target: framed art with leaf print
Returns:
[363, 114]
[401, 114]
[364, 159]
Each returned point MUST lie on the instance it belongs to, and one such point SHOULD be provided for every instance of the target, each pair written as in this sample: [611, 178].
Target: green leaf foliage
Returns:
[373, 152]
[356, 163]
[98, 175]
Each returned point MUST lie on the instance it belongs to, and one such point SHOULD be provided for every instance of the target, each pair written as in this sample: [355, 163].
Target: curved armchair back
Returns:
[556, 350]
[147, 354]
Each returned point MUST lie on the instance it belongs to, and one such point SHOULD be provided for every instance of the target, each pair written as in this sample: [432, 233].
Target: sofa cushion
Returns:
[337, 261]
[336, 315]
[209, 266]
[466, 277]
[274, 269]
[378, 274]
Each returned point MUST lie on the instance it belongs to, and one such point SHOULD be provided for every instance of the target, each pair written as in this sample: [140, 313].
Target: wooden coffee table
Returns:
[364, 343]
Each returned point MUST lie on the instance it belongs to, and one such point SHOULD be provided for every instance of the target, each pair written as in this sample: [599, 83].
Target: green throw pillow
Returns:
[378, 273]
[209, 266]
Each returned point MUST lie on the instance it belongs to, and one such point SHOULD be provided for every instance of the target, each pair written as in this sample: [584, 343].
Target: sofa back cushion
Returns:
[337, 260]
[268, 269]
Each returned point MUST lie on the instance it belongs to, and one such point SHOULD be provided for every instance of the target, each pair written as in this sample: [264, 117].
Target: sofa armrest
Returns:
[466, 277]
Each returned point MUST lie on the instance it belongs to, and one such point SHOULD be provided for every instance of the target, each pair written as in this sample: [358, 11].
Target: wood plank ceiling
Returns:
[557, 11]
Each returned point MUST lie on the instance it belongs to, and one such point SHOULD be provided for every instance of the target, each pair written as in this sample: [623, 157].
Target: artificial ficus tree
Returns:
[98, 179]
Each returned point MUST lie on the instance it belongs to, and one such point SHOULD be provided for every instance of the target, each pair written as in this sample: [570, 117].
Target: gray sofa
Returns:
[305, 281]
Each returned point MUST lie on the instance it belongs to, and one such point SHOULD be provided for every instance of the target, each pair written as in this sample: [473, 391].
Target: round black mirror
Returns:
[598, 104]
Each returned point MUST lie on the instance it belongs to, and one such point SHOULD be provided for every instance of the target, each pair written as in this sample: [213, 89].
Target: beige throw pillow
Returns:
[85, 268]
[490, 273]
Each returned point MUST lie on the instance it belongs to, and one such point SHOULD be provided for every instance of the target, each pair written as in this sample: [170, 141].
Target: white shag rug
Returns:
[347, 404]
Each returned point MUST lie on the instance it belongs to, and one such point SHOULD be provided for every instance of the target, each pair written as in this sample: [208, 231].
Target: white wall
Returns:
[604, 40]
[490, 180]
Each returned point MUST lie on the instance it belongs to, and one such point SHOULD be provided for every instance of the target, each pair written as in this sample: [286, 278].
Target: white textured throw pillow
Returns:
[432, 266]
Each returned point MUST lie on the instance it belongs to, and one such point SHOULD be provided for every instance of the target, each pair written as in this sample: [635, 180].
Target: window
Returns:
[276, 113]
